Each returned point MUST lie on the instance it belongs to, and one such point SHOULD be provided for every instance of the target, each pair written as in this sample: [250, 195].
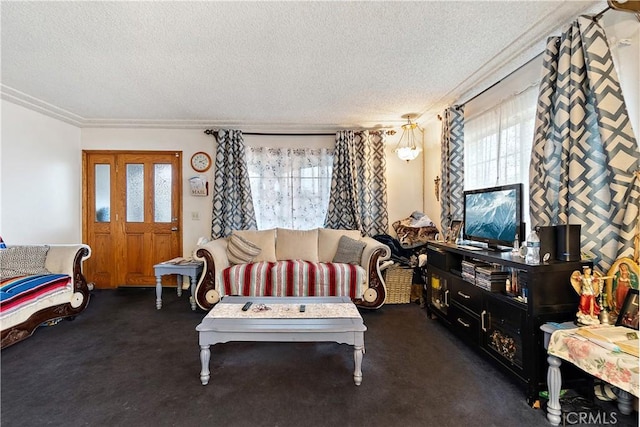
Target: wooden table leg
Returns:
[193, 292]
[158, 292]
[554, 381]
[625, 401]
[179, 287]
[358, 353]
[205, 355]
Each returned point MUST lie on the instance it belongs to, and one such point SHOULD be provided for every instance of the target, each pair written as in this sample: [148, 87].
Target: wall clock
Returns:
[200, 161]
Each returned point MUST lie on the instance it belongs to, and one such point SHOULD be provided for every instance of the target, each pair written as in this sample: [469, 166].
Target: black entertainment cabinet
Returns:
[504, 327]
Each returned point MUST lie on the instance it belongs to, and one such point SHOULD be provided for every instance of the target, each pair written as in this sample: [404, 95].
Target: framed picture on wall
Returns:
[456, 227]
[629, 314]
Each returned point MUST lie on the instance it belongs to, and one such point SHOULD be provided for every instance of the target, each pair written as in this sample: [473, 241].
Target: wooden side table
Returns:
[590, 359]
[193, 269]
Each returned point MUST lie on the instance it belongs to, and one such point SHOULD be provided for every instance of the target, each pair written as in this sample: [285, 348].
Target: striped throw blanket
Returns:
[23, 290]
[294, 278]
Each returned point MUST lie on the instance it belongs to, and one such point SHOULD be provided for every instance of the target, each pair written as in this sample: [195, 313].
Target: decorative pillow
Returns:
[23, 261]
[349, 251]
[264, 239]
[328, 240]
[297, 244]
[241, 251]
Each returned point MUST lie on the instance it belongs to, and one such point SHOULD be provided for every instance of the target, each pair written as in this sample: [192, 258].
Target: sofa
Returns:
[40, 284]
[285, 262]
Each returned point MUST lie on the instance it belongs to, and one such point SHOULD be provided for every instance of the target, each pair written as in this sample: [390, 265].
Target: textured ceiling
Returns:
[264, 65]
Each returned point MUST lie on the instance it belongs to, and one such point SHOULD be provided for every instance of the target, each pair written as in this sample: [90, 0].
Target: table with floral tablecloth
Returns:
[619, 369]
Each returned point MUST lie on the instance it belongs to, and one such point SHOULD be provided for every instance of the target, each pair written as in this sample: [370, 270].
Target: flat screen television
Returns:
[494, 215]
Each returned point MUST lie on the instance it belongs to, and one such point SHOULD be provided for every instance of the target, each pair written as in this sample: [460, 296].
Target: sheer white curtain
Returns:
[290, 186]
[497, 145]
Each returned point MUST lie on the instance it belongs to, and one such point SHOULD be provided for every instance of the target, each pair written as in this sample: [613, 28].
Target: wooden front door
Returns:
[132, 214]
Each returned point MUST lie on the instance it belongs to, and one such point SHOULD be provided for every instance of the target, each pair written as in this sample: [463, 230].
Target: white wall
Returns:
[431, 153]
[41, 172]
[404, 183]
[623, 34]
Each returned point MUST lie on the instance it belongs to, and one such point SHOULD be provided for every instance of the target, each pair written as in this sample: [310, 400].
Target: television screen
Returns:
[493, 215]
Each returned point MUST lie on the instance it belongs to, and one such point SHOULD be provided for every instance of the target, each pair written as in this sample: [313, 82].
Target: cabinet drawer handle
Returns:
[484, 312]
[446, 298]
[463, 295]
[463, 323]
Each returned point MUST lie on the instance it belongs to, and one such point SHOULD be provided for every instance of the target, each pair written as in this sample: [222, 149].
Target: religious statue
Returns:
[588, 286]
[623, 276]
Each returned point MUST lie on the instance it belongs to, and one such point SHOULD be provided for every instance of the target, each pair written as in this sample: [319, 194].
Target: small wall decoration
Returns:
[622, 277]
[199, 186]
[629, 314]
[456, 226]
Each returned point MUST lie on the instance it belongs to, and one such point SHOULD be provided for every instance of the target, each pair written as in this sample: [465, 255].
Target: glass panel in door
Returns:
[162, 193]
[102, 192]
[135, 192]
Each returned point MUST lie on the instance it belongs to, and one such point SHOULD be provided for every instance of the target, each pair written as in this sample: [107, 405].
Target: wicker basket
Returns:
[398, 281]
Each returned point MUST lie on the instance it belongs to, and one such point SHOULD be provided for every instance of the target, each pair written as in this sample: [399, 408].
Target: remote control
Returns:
[302, 308]
[246, 306]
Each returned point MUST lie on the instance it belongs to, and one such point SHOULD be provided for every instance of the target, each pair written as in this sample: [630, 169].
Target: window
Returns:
[290, 186]
[497, 145]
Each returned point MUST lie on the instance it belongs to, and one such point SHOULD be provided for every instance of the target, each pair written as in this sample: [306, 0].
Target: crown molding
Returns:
[20, 98]
[32, 103]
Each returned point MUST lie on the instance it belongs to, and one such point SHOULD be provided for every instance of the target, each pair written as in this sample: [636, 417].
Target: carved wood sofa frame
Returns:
[25, 329]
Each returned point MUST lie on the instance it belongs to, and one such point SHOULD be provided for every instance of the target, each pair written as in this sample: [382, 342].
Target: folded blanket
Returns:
[21, 290]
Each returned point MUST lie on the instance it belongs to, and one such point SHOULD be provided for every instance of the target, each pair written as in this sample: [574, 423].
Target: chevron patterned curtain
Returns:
[358, 199]
[452, 166]
[585, 157]
[232, 202]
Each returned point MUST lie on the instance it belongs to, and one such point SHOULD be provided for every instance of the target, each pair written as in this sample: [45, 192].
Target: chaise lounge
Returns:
[40, 284]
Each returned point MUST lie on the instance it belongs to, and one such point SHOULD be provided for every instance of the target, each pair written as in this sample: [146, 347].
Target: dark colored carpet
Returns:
[124, 363]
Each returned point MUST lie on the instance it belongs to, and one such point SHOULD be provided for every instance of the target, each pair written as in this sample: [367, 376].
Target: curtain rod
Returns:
[215, 131]
[594, 17]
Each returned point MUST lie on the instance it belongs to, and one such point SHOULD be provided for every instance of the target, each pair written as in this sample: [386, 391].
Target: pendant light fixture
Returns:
[411, 140]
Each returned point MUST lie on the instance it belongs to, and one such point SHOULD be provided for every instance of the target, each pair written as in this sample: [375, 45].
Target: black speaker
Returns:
[548, 243]
[568, 238]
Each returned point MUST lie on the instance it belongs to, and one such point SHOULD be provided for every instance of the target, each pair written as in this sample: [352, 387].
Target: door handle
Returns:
[174, 228]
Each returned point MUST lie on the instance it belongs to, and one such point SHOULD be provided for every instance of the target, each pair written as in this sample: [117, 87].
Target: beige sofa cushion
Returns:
[328, 240]
[297, 244]
[265, 240]
[241, 251]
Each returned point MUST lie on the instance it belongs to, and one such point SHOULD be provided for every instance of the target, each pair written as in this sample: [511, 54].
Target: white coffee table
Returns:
[333, 319]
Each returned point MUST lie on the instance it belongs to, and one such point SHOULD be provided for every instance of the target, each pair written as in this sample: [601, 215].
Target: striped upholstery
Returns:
[24, 290]
[252, 279]
[294, 278]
